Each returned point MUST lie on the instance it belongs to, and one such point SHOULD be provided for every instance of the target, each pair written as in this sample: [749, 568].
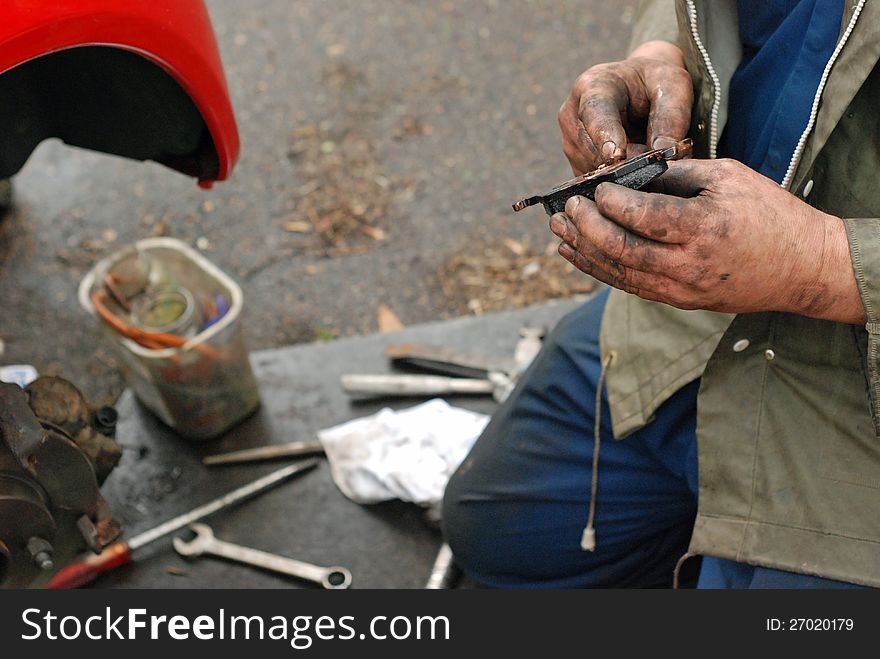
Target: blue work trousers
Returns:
[515, 510]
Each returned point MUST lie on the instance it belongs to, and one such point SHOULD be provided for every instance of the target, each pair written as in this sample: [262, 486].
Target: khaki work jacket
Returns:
[787, 420]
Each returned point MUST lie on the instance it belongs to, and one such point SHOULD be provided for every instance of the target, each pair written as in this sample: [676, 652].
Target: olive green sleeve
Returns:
[655, 20]
[864, 245]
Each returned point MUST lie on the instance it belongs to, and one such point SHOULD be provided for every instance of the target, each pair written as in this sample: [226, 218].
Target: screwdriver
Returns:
[262, 453]
[121, 552]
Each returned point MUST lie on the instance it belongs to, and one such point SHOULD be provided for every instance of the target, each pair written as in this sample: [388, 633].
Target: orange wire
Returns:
[152, 340]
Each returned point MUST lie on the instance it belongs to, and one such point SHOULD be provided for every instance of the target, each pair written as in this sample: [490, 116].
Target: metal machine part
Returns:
[205, 544]
[121, 553]
[52, 461]
[634, 173]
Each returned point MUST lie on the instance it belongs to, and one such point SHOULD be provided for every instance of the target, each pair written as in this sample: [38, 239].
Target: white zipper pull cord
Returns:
[588, 538]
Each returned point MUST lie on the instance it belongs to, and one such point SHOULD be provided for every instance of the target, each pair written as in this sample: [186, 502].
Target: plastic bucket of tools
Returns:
[174, 320]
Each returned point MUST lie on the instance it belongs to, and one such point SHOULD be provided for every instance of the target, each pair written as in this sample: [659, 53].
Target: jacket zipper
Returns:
[799, 149]
[814, 110]
[716, 83]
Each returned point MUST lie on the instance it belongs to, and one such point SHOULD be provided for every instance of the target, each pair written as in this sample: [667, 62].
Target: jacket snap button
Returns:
[740, 345]
[701, 127]
[769, 354]
[807, 189]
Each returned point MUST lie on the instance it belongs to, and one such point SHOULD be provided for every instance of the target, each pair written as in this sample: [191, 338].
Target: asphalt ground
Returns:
[440, 114]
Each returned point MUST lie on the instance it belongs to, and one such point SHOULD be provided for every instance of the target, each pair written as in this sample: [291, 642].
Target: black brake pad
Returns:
[634, 173]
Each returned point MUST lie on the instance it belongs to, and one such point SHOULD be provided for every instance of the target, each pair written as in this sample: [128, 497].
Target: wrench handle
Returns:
[328, 577]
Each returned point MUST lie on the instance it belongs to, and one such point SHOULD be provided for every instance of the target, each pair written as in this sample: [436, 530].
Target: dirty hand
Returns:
[621, 109]
[716, 235]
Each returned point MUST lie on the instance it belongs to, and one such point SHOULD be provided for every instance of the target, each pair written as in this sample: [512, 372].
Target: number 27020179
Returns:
[809, 624]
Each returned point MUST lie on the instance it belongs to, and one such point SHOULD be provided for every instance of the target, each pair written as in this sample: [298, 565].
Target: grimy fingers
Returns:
[645, 285]
[671, 96]
[576, 144]
[638, 88]
[617, 243]
[595, 270]
[604, 99]
[594, 118]
[688, 178]
[659, 217]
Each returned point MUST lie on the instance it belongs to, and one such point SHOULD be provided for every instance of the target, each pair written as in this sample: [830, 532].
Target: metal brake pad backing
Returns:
[634, 173]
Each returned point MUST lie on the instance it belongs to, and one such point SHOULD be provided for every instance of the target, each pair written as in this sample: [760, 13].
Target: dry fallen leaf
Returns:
[515, 246]
[310, 130]
[374, 232]
[335, 50]
[388, 320]
[298, 226]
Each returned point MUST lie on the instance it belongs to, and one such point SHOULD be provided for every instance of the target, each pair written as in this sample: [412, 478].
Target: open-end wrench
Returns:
[122, 552]
[206, 543]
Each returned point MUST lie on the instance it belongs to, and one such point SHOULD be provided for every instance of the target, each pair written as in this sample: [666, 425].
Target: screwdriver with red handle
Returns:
[121, 553]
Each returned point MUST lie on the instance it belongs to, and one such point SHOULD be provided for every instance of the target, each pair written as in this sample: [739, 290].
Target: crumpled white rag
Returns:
[409, 454]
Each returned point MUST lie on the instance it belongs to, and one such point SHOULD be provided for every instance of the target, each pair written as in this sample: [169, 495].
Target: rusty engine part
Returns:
[55, 451]
[634, 173]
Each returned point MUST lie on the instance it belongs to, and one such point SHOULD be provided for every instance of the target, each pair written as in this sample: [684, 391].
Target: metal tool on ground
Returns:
[444, 360]
[121, 553]
[264, 453]
[413, 385]
[497, 383]
[205, 543]
[445, 572]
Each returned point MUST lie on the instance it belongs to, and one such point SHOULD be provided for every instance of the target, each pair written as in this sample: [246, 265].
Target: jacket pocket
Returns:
[851, 452]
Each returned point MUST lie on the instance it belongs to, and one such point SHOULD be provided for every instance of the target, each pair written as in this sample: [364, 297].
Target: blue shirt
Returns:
[786, 45]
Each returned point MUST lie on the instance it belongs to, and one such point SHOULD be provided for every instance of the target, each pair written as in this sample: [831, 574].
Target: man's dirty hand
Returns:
[714, 235]
[620, 109]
